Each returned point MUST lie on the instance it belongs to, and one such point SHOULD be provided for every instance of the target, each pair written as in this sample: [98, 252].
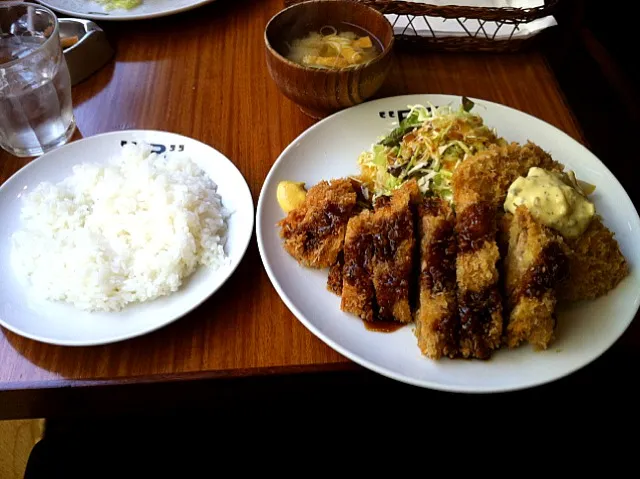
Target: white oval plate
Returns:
[148, 9]
[63, 324]
[330, 150]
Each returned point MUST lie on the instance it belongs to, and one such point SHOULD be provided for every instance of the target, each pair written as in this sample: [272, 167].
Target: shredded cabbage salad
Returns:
[427, 145]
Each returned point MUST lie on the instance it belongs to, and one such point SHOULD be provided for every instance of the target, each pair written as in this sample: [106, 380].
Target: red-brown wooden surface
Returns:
[203, 74]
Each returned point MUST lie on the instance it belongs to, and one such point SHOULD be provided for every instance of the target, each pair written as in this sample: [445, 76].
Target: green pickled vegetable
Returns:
[125, 4]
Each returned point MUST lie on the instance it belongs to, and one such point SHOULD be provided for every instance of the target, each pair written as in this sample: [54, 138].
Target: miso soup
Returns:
[345, 46]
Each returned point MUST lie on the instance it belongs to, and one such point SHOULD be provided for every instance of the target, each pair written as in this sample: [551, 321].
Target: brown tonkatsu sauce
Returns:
[394, 284]
[358, 269]
[383, 326]
[448, 327]
[334, 281]
[440, 256]
[476, 224]
[390, 233]
[439, 269]
[475, 309]
[551, 269]
[333, 217]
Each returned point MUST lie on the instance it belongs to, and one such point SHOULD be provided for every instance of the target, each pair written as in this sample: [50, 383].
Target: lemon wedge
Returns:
[290, 195]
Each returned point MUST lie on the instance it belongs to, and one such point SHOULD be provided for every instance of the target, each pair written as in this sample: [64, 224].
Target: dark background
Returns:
[595, 58]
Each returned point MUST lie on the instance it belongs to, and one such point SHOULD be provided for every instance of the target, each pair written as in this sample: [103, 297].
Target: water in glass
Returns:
[36, 113]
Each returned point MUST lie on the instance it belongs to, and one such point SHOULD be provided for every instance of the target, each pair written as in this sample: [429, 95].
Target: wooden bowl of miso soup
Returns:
[327, 55]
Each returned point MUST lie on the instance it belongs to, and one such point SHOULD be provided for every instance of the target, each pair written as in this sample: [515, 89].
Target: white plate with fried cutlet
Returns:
[531, 328]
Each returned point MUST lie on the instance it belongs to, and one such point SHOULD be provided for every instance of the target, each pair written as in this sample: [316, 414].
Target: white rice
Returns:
[128, 232]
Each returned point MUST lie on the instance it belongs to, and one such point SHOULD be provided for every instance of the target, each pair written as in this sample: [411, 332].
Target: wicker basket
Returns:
[476, 38]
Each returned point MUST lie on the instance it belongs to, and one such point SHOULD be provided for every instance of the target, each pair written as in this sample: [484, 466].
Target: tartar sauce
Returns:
[552, 200]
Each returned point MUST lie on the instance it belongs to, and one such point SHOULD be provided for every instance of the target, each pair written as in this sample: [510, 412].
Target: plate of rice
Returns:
[117, 235]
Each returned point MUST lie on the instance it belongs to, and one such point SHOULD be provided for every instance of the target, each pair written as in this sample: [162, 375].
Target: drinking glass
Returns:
[36, 113]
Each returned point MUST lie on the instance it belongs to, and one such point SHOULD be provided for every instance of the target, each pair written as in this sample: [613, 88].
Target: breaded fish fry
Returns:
[480, 185]
[534, 267]
[487, 175]
[596, 264]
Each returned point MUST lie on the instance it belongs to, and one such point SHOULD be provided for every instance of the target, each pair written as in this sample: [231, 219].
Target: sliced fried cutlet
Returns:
[334, 280]
[596, 264]
[480, 185]
[479, 299]
[503, 220]
[488, 174]
[535, 266]
[358, 295]
[394, 249]
[437, 322]
[314, 233]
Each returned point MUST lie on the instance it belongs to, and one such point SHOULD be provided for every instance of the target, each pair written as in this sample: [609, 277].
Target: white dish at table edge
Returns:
[330, 149]
[63, 324]
[149, 9]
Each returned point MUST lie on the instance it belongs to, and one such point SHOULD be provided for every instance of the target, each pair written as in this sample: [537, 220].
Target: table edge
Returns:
[257, 372]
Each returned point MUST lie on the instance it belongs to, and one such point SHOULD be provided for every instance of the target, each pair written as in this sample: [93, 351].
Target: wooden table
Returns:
[203, 74]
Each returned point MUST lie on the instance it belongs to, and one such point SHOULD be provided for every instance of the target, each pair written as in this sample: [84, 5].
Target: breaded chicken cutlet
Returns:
[394, 248]
[437, 324]
[479, 299]
[314, 233]
[358, 295]
[484, 278]
[596, 264]
[378, 260]
[535, 265]
[334, 280]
